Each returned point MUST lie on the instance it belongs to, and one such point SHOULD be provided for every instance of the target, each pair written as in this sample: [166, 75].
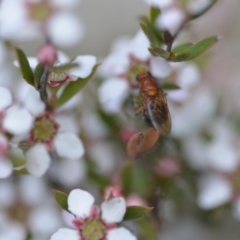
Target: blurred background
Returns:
[193, 145]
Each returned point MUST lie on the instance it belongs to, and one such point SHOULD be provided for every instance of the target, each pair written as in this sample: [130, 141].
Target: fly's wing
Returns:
[158, 112]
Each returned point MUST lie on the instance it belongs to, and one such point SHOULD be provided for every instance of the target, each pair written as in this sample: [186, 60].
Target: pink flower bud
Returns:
[135, 200]
[47, 54]
[168, 167]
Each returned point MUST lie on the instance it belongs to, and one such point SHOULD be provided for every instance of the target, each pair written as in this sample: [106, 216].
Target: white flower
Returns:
[5, 98]
[171, 19]
[31, 18]
[187, 77]
[112, 94]
[66, 144]
[214, 191]
[17, 120]
[89, 219]
[159, 3]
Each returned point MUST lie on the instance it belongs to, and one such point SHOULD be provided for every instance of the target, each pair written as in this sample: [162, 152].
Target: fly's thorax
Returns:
[149, 87]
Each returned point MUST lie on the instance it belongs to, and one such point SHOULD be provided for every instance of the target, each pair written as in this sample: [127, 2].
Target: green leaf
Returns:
[127, 178]
[134, 212]
[153, 34]
[148, 229]
[61, 199]
[170, 86]
[202, 47]
[17, 161]
[159, 52]
[25, 68]
[74, 87]
[196, 50]
[182, 47]
[64, 67]
[38, 74]
[154, 13]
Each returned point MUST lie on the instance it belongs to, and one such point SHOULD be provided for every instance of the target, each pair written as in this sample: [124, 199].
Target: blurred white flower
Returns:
[187, 77]
[171, 19]
[214, 191]
[5, 98]
[112, 93]
[186, 121]
[196, 6]
[160, 3]
[31, 18]
[89, 217]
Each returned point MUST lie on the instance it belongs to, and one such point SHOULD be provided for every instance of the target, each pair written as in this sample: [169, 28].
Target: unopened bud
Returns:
[47, 54]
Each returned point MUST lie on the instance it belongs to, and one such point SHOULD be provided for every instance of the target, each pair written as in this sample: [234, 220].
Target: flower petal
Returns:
[113, 210]
[80, 203]
[120, 234]
[223, 156]
[37, 160]
[215, 191]
[65, 29]
[188, 76]
[33, 102]
[171, 19]
[62, 58]
[17, 120]
[161, 4]
[69, 146]
[86, 64]
[5, 98]
[6, 168]
[159, 67]
[112, 94]
[65, 234]
[139, 46]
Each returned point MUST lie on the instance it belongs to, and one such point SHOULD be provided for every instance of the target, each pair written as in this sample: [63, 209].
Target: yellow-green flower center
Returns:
[93, 229]
[44, 129]
[57, 76]
[41, 11]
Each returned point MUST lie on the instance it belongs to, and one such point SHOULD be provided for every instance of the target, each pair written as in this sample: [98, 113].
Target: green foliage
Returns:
[38, 72]
[196, 50]
[170, 86]
[61, 199]
[182, 47]
[153, 14]
[25, 68]
[127, 178]
[135, 212]
[64, 67]
[74, 87]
